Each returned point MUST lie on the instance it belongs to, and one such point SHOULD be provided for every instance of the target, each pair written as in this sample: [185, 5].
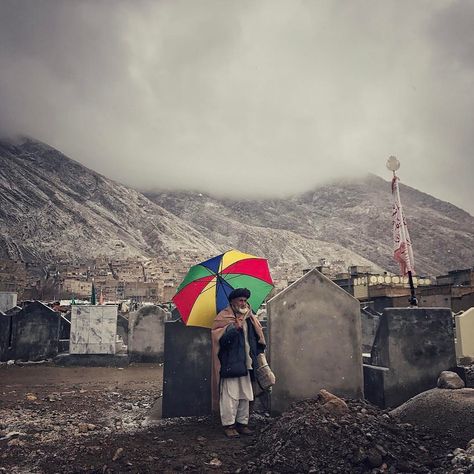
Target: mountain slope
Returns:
[348, 220]
[52, 207]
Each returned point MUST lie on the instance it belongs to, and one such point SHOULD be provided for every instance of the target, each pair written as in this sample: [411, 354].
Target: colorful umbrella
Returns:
[205, 290]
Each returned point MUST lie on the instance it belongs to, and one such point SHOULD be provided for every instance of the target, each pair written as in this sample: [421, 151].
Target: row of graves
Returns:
[88, 334]
[318, 337]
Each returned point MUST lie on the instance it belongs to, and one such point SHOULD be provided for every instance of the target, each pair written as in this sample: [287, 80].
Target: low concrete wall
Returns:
[7, 300]
[146, 336]
[315, 341]
[465, 335]
[187, 371]
[415, 344]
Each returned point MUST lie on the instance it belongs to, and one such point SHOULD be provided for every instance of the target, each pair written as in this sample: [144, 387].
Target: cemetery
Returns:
[332, 359]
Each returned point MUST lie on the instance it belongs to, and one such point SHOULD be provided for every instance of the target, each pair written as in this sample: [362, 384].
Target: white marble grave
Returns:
[93, 329]
[465, 334]
[7, 300]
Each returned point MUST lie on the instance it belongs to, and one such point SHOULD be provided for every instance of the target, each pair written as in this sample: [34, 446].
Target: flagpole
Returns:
[393, 164]
[413, 301]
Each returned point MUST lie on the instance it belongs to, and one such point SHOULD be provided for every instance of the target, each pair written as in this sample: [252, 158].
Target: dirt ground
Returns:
[97, 420]
[94, 419]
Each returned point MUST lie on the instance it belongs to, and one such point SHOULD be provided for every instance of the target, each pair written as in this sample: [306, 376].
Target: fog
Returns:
[246, 98]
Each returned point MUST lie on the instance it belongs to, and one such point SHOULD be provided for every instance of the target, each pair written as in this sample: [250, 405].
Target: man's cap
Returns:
[239, 293]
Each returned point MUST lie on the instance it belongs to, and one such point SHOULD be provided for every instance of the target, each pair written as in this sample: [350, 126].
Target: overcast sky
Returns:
[246, 97]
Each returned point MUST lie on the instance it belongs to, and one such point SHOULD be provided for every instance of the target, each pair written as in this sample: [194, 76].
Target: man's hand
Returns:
[239, 322]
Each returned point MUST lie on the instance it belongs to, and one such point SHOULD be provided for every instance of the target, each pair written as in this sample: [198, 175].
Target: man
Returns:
[237, 339]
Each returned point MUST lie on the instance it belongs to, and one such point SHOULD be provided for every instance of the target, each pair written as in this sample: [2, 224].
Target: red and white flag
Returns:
[402, 251]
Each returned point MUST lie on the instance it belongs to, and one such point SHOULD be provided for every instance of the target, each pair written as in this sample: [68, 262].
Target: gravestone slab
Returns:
[314, 341]
[35, 333]
[465, 336]
[416, 345]
[370, 322]
[187, 371]
[146, 337]
[93, 329]
[122, 327]
[5, 337]
[7, 300]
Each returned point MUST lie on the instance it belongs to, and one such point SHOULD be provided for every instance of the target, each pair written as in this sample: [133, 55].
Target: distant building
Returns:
[457, 278]
[454, 290]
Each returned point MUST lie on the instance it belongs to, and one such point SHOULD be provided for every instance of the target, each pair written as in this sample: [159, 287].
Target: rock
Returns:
[215, 462]
[381, 449]
[324, 396]
[450, 380]
[336, 406]
[10, 362]
[83, 428]
[118, 454]
[12, 434]
[374, 457]
[31, 397]
[332, 404]
[15, 442]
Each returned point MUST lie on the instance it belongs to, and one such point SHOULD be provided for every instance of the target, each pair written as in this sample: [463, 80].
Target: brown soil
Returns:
[94, 420]
[91, 419]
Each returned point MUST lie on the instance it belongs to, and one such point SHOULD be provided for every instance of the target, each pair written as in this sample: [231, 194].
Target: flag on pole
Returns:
[402, 251]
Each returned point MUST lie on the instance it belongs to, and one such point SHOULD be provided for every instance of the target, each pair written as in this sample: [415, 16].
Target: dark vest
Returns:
[232, 351]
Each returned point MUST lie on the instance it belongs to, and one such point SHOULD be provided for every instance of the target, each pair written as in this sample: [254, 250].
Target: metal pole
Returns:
[412, 300]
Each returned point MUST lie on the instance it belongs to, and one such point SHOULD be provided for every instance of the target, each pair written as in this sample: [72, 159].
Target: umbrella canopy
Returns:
[205, 289]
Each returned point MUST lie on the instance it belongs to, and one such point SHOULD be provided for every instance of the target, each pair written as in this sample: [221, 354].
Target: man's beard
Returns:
[241, 309]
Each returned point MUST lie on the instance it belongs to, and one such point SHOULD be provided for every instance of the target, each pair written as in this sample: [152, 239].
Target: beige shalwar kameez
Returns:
[236, 393]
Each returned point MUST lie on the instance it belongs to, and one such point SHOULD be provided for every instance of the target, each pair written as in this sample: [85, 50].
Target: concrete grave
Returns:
[146, 334]
[122, 327]
[93, 329]
[7, 300]
[64, 332]
[315, 341]
[465, 336]
[34, 333]
[187, 371]
[5, 336]
[412, 346]
[369, 322]
[12, 311]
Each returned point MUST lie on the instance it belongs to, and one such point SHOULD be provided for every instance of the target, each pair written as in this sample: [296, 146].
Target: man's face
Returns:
[240, 304]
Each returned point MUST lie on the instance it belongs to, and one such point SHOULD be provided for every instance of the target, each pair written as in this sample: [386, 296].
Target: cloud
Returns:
[253, 98]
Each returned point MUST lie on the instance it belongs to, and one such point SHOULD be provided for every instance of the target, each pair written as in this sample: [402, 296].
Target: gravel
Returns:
[309, 438]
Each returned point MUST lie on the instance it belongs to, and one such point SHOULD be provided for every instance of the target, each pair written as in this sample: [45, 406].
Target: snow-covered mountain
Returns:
[52, 207]
[347, 220]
